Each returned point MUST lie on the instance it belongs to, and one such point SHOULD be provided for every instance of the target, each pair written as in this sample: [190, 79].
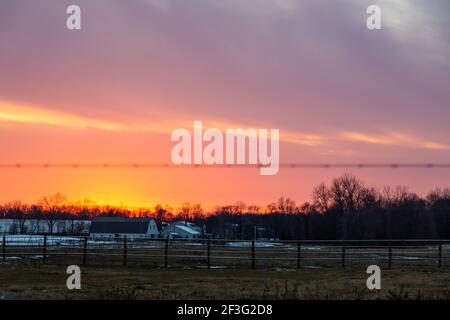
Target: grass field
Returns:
[33, 280]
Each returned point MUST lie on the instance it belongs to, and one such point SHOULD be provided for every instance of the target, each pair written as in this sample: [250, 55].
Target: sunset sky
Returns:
[114, 91]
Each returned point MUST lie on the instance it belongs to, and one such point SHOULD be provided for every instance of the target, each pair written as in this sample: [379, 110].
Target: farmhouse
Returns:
[182, 229]
[119, 227]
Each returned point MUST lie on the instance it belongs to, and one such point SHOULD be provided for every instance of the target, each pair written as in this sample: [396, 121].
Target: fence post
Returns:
[253, 254]
[390, 257]
[209, 253]
[343, 256]
[299, 254]
[4, 248]
[44, 254]
[125, 250]
[166, 252]
[85, 250]
[440, 253]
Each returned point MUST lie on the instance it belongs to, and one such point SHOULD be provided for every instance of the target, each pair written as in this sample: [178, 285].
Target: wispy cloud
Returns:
[395, 139]
[311, 140]
[34, 115]
[21, 113]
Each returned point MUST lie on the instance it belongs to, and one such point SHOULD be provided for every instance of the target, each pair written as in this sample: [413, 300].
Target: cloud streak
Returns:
[394, 139]
[27, 114]
[32, 115]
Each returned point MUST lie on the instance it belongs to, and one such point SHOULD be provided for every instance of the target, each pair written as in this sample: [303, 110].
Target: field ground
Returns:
[34, 280]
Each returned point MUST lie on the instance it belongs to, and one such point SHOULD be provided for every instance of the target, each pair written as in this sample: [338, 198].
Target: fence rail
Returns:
[222, 253]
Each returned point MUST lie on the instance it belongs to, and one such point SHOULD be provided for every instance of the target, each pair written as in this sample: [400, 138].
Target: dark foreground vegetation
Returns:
[37, 281]
[346, 209]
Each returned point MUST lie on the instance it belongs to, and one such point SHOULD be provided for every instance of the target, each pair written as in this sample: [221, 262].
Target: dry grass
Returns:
[33, 280]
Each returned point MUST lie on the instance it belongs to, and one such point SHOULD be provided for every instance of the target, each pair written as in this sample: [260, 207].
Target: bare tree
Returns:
[52, 207]
[321, 197]
[19, 212]
[197, 212]
[253, 208]
[438, 194]
[185, 212]
[349, 194]
[286, 205]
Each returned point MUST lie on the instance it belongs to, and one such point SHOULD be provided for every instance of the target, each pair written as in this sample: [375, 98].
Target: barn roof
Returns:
[181, 225]
[119, 225]
[188, 229]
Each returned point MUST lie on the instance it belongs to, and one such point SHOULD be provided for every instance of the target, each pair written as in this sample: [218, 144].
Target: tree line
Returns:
[345, 209]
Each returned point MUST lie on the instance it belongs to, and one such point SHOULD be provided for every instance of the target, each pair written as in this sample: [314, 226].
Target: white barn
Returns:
[119, 227]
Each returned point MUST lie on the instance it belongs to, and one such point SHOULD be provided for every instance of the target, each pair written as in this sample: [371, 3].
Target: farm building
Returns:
[182, 229]
[119, 227]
